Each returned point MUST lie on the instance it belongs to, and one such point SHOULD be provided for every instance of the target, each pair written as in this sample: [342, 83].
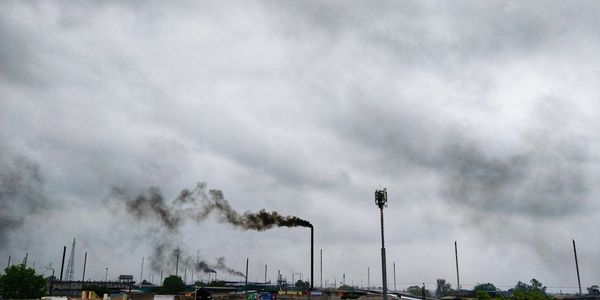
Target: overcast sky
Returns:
[481, 119]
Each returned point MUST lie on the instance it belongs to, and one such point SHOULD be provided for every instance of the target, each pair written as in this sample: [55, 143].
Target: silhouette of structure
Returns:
[71, 263]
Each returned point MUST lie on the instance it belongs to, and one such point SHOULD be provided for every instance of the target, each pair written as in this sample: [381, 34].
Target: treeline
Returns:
[534, 290]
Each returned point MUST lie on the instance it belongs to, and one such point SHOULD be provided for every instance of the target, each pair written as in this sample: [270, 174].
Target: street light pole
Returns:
[381, 202]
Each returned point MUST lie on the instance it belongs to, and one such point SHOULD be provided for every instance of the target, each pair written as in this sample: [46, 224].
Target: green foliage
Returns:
[535, 291]
[216, 283]
[414, 290]
[484, 289]
[483, 295]
[443, 288]
[20, 282]
[304, 285]
[173, 285]
[593, 290]
[418, 291]
[346, 288]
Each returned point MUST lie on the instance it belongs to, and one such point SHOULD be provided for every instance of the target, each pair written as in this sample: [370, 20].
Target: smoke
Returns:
[202, 266]
[193, 205]
[197, 204]
[223, 267]
[21, 193]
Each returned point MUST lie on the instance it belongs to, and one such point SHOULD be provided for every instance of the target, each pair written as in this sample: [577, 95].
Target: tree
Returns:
[302, 284]
[523, 291]
[173, 285]
[414, 290]
[484, 289]
[443, 288]
[20, 282]
[593, 290]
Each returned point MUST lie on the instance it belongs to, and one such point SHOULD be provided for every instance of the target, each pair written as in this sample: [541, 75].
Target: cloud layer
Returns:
[480, 118]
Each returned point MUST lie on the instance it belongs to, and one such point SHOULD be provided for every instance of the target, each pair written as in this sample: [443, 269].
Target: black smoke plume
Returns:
[197, 204]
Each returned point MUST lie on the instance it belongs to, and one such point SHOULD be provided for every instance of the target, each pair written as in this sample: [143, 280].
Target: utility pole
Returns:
[321, 268]
[246, 282]
[395, 277]
[142, 271]
[62, 265]
[457, 277]
[84, 265]
[577, 267]
[381, 202]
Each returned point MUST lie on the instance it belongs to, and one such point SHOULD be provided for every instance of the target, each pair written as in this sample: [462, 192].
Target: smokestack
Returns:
[246, 283]
[577, 267]
[265, 273]
[457, 277]
[62, 265]
[84, 264]
[368, 278]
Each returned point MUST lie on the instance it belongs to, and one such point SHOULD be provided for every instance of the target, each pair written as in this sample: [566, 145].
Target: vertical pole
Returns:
[8, 261]
[383, 269]
[321, 268]
[142, 271]
[577, 267]
[312, 257]
[51, 283]
[184, 275]
[457, 277]
[368, 278]
[62, 266]
[25, 260]
[161, 281]
[265, 273]
[84, 265]
[177, 265]
[106, 274]
[395, 277]
[246, 282]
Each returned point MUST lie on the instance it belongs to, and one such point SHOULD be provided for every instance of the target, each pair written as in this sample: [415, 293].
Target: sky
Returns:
[480, 118]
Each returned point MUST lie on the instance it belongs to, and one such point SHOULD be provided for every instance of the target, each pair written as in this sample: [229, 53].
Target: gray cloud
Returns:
[478, 117]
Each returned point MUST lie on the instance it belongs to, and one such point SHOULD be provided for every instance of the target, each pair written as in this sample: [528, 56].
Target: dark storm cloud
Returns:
[547, 175]
[21, 193]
